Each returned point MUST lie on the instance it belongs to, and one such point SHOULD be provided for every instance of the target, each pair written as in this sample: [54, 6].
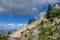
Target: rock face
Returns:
[56, 6]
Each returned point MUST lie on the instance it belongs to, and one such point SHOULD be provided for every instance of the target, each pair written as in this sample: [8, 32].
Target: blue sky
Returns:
[16, 19]
[15, 13]
[12, 22]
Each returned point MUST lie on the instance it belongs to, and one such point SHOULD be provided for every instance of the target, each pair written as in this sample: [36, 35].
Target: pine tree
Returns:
[49, 10]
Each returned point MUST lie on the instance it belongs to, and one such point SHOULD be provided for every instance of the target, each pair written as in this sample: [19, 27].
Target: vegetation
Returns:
[52, 13]
[4, 37]
[30, 38]
[51, 19]
[31, 20]
[49, 10]
[42, 23]
[48, 34]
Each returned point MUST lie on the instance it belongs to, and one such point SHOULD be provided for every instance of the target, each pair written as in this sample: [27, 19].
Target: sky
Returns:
[15, 13]
[12, 22]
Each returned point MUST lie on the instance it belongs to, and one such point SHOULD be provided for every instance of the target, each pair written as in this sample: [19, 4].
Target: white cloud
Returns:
[1, 9]
[11, 26]
[34, 8]
[20, 24]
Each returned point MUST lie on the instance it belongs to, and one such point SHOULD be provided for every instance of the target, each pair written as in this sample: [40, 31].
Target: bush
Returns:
[42, 22]
[31, 20]
[51, 19]
[47, 33]
[4, 37]
[53, 14]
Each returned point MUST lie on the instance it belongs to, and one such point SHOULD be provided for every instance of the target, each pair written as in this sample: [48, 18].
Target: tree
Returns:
[8, 33]
[49, 11]
[42, 23]
[51, 19]
[31, 20]
[49, 8]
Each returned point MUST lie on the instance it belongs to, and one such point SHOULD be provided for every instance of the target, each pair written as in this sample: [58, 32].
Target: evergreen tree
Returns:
[49, 10]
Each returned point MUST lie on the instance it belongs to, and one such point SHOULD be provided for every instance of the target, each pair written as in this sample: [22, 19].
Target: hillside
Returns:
[45, 28]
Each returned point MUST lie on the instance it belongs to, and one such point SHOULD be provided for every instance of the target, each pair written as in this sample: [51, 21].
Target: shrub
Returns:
[30, 38]
[42, 22]
[51, 19]
[31, 20]
[4, 37]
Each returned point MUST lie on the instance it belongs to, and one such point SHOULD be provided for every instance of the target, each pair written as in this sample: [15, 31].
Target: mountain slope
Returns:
[45, 28]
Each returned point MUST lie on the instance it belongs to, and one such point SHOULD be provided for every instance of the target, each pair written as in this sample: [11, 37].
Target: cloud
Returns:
[20, 24]
[11, 26]
[23, 6]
